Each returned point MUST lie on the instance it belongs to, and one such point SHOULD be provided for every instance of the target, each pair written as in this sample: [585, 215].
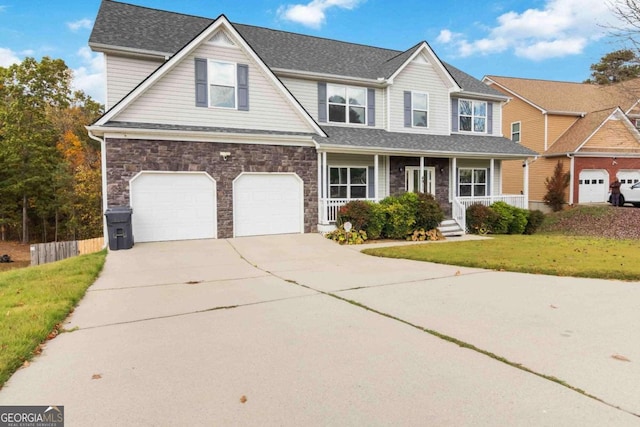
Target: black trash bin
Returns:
[119, 227]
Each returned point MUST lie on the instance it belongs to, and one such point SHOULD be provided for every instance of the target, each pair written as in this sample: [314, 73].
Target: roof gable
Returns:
[230, 36]
[422, 52]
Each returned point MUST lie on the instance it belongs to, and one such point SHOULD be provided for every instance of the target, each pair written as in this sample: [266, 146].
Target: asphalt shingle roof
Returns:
[446, 145]
[121, 25]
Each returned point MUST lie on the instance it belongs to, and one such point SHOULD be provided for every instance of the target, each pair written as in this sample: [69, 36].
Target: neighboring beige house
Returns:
[592, 130]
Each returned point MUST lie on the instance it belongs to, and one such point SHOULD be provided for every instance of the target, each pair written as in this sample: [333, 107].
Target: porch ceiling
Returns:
[379, 140]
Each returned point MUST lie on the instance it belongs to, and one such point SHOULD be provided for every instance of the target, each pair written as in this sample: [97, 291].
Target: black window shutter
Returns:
[322, 102]
[454, 115]
[243, 87]
[371, 107]
[201, 82]
[407, 109]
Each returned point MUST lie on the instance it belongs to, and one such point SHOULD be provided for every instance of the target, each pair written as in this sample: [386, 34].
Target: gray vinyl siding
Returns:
[337, 160]
[124, 74]
[418, 77]
[172, 99]
[306, 92]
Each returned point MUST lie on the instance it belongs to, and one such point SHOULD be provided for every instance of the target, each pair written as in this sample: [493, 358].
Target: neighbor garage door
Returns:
[593, 186]
[628, 177]
[173, 206]
[267, 203]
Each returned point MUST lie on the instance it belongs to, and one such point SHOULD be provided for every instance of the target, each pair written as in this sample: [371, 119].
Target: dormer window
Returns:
[472, 116]
[347, 104]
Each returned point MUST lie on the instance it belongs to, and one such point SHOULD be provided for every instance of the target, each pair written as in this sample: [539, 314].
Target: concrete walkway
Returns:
[296, 330]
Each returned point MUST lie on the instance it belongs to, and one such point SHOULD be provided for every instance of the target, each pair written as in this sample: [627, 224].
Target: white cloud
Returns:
[89, 77]
[559, 28]
[8, 57]
[313, 13]
[82, 24]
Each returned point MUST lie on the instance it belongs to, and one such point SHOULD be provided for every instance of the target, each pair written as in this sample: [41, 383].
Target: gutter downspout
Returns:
[103, 169]
[572, 168]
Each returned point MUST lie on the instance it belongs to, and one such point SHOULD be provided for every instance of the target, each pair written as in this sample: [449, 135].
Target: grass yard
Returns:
[558, 255]
[35, 301]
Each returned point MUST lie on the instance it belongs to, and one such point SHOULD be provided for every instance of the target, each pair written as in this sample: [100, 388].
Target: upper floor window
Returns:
[347, 104]
[515, 131]
[222, 84]
[472, 115]
[636, 122]
[420, 109]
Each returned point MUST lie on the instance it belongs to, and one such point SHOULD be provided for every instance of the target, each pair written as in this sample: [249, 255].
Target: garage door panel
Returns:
[593, 186]
[173, 206]
[267, 204]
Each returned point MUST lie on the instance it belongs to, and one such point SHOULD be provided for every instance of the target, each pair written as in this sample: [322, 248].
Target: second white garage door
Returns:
[173, 206]
[267, 203]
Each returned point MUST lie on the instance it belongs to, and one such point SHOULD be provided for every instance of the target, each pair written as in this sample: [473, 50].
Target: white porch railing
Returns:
[460, 205]
[329, 207]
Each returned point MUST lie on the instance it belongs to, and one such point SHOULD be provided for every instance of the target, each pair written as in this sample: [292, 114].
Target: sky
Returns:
[542, 39]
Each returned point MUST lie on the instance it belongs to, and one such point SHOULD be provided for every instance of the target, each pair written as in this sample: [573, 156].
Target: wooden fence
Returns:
[43, 253]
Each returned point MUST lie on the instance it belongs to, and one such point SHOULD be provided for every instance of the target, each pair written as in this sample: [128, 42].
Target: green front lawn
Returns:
[35, 300]
[538, 254]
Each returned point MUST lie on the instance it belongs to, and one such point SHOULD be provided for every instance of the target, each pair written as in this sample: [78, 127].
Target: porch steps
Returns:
[450, 228]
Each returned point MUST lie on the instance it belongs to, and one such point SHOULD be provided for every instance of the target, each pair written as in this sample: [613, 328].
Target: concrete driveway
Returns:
[296, 330]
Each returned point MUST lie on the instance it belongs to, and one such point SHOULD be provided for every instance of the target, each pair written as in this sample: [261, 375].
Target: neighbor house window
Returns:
[472, 182]
[347, 104]
[420, 109]
[472, 115]
[637, 123]
[222, 84]
[515, 131]
[348, 182]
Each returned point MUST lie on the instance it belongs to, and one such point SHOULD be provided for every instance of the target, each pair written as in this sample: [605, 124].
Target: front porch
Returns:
[456, 183]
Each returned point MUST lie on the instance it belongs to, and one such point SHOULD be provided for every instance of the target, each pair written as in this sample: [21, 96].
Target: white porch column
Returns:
[376, 180]
[320, 201]
[325, 188]
[452, 179]
[421, 185]
[525, 184]
[492, 165]
[572, 171]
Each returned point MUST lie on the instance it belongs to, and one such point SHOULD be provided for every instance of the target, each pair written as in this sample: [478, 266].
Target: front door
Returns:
[412, 179]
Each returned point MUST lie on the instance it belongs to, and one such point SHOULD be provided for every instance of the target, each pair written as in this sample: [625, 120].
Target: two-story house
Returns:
[216, 129]
[592, 130]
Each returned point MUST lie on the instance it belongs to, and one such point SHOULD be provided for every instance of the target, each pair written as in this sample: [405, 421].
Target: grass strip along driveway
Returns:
[538, 254]
[35, 300]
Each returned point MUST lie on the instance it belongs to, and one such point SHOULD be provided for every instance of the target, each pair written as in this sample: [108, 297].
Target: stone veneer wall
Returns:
[127, 157]
[397, 184]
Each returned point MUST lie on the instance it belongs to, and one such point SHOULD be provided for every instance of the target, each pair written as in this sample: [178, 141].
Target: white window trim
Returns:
[346, 105]
[348, 183]
[473, 116]
[416, 109]
[473, 183]
[210, 83]
[519, 131]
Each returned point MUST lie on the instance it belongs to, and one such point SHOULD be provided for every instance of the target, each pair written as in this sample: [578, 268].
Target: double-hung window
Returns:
[472, 115]
[420, 109]
[222, 84]
[515, 131]
[347, 104]
[348, 182]
[472, 182]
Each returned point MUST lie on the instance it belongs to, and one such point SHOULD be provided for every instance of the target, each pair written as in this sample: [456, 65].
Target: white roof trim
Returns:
[203, 37]
[435, 61]
[617, 113]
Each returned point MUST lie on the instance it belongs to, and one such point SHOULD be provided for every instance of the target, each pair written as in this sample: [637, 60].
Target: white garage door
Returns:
[173, 206]
[628, 177]
[593, 186]
[267, 203]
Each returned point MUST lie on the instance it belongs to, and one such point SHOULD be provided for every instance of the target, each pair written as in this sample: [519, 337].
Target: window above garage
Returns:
[221, 84]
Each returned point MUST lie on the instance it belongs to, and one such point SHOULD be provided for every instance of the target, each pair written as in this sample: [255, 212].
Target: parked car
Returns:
[629, 194]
